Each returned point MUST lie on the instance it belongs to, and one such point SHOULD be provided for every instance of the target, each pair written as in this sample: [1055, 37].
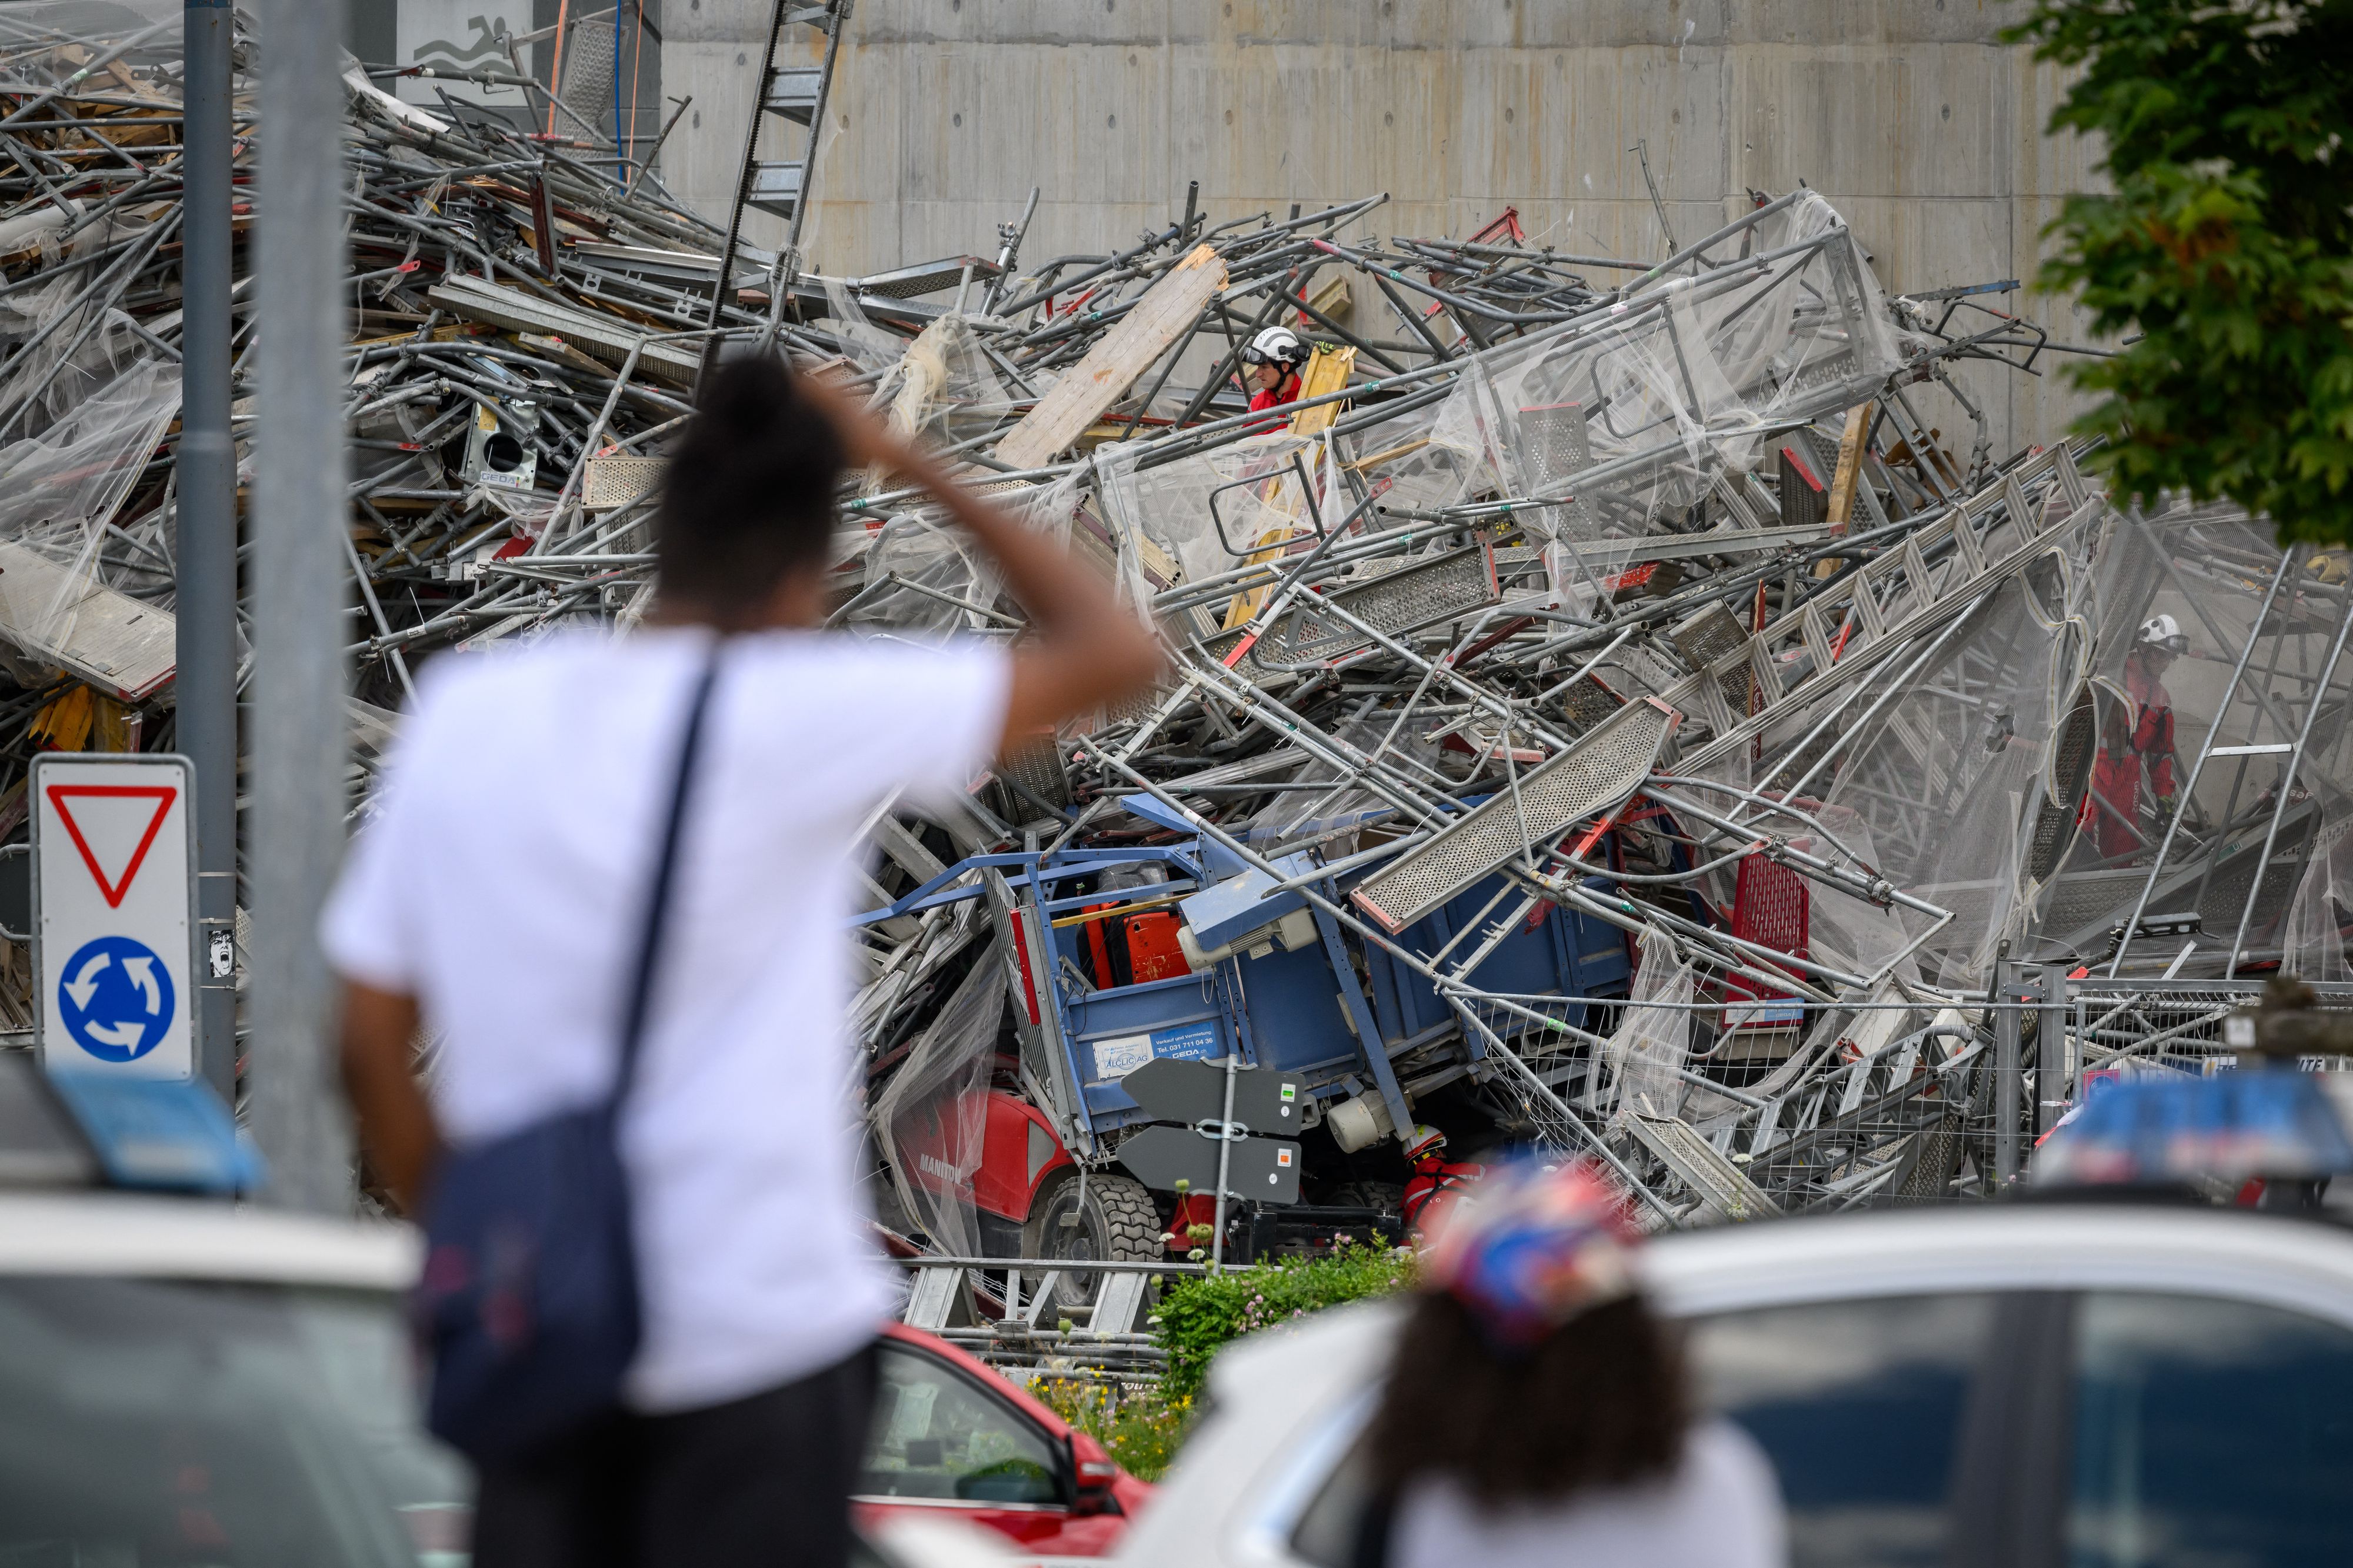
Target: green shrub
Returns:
[1199, 1313]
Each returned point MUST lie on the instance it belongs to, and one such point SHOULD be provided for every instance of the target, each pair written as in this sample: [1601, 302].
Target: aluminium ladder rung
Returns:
[793, 92]
[776, 187]
[1602, 770]
[937, 1299]
[1118, 1302]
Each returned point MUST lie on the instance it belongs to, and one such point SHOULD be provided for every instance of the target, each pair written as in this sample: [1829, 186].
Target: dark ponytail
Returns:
[749, 495]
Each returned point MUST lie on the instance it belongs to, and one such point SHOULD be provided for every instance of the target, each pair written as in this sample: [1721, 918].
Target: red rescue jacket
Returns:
[2148, 753]
[1435, 1184]
[1284, 391]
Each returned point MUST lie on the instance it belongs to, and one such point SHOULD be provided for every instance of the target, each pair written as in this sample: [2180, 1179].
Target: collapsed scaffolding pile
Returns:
[1618, 724]
[1552, 743]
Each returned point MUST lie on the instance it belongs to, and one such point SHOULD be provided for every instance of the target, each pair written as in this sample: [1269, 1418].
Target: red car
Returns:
[951, 1438]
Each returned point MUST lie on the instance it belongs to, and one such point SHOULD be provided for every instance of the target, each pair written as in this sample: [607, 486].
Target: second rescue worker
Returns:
[1272, 362]
[2136, 740]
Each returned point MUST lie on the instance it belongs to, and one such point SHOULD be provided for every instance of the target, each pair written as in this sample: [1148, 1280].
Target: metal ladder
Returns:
[797, 93]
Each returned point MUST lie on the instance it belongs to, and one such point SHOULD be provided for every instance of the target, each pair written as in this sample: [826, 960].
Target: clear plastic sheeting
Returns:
[1210, 514]
[1646, 1052]
[1660, 395]
[925, 574]
[2312, 942]
[942, 386]
[931, 1117]
[58, 493]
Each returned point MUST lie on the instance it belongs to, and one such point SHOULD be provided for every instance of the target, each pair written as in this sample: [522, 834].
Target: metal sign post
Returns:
[114, 948]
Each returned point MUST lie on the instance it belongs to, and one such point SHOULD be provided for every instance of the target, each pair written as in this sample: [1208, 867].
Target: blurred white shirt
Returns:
[503, 882]
[1721, 1509]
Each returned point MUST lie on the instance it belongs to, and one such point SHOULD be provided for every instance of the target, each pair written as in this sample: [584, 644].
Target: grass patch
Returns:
[1138, 1424]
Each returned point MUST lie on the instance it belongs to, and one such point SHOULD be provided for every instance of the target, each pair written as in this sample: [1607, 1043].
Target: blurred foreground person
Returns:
[613, 874]
[1536, 1414]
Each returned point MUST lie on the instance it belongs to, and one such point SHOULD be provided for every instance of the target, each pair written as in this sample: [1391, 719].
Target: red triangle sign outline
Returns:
[161, 795]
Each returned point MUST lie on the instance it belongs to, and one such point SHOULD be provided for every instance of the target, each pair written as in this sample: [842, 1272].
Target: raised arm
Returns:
[1085, 650]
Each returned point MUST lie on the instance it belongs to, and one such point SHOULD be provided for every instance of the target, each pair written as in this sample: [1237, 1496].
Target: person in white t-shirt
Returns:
[1535, 1413]
[494, 897]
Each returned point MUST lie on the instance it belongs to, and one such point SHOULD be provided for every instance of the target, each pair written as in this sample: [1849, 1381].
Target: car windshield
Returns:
[150, 1423]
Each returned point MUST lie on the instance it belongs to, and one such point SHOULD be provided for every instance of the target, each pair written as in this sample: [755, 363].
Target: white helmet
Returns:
[2163, 632]
[1275, 345]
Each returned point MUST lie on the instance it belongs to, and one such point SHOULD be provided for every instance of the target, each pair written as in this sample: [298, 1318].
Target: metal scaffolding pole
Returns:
[298, 601]
[206, 553]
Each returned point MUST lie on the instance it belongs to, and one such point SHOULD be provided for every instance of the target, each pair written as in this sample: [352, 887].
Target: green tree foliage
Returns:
[2227, 244]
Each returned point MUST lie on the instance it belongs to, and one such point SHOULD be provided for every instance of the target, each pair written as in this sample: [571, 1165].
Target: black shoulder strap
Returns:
[656, 909]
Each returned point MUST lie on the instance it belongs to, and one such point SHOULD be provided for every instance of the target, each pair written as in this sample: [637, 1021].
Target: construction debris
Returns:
[1605, 711]
[1605, 715]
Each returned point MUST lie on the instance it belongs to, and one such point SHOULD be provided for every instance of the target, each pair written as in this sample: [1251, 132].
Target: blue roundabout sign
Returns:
[116, 998]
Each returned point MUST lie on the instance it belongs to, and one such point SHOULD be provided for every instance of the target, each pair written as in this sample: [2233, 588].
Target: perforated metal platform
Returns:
[1553, 447]
[1589, 702]
[1600, 771]
[1455, 584]
[613, 482]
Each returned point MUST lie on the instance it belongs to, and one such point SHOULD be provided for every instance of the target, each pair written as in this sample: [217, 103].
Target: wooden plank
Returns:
[1328, 369]
[1850, 472]
[1112, 365]
[1850, 466]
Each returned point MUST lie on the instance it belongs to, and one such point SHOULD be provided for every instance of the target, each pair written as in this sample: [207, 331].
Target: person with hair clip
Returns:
[1536, 1413]
[619, 870]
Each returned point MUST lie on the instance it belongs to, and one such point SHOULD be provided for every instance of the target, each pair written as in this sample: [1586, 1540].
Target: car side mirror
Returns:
[1092, 1472]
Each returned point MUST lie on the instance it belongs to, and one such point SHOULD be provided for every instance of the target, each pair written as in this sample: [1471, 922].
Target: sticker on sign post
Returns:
[113, 915]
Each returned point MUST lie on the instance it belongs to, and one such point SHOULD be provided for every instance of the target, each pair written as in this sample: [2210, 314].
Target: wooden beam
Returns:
[1084, 391]
[1849, 475]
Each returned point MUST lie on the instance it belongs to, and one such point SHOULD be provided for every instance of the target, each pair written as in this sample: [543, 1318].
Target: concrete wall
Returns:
[1909, 115]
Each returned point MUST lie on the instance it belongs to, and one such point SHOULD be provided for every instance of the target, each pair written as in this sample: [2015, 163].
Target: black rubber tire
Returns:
[1386, 1196]
[1119, 1224]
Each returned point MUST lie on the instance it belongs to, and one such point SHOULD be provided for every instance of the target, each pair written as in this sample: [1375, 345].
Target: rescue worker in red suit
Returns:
[1437, 1180]
[2136, 745]
[1271, 363]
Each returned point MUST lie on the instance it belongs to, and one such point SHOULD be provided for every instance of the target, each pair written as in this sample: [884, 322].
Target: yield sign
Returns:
[122, 820]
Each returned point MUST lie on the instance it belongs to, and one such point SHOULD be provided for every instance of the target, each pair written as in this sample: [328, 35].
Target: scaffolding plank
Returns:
[1080, 395]
[605, 337]
[1600, 771]
[124, 647]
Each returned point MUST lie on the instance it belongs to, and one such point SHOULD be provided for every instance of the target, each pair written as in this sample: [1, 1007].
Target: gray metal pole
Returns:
[1225, 1154]
[2006, 1073]
[205, 552]
[298, 591]
[2052, 1079]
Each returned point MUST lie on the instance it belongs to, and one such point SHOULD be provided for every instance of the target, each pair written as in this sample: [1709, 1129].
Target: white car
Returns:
[188, 1382]
[2098, 1386]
